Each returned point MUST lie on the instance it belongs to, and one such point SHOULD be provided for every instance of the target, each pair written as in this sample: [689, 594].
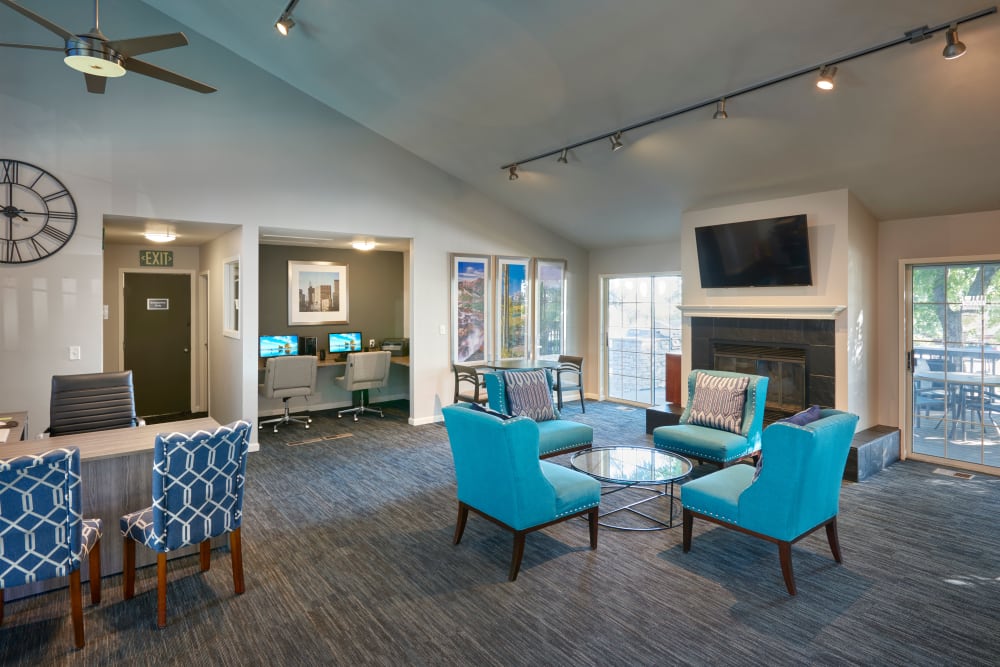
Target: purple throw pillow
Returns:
[807, 416]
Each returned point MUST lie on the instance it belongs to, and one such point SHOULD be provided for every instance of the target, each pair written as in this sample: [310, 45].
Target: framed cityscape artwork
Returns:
[317, 293]
[470, 308]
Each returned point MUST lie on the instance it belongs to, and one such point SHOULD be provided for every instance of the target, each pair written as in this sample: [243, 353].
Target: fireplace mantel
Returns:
[765, 312]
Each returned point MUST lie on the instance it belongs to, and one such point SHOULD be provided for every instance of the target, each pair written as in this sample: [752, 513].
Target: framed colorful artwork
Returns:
[470, 308]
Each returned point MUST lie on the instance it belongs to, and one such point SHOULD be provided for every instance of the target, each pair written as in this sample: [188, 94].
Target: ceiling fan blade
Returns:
[40, 20]
[139, 45]
[95, 84]
[32, 46]
[146, 69]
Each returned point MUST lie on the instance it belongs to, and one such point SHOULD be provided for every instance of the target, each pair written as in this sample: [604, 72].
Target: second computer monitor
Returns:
[344, 342]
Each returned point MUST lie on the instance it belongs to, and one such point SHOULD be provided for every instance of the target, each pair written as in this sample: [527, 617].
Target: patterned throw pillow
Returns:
[718, 402]
[529, 395]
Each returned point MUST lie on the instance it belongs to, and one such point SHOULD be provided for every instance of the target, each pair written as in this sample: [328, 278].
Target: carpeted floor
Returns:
[348, 555]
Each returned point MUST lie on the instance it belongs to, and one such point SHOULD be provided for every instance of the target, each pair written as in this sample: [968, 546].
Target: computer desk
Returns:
[13, 433]
[116, 473]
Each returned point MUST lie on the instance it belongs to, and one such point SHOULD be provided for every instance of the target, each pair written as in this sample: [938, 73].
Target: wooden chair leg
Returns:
[515, 561]
[687, 522]
[95, 573]
[463, 517]
[161, 589]
[128, 568]
[206, 554]
[831, 537]
[785, 555]
[236, 553]
[592, 517]
[76, 602]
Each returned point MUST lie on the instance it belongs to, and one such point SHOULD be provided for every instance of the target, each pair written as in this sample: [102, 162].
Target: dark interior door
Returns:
[158, 341]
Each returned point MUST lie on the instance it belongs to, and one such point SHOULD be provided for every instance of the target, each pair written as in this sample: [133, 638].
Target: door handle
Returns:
[186, 350]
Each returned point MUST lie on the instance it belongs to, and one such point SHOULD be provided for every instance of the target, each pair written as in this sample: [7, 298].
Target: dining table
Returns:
[522, 364]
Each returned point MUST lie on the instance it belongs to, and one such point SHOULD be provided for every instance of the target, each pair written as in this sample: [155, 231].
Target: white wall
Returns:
[970, 236]
[861, 360]
[153, 150]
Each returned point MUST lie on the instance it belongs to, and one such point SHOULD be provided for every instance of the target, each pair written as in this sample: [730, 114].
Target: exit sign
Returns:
[156, 258]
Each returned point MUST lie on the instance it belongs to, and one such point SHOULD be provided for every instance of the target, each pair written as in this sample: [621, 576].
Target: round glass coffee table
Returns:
[640, 468]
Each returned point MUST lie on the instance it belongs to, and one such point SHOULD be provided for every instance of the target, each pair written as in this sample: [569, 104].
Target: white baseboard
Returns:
[316, 407]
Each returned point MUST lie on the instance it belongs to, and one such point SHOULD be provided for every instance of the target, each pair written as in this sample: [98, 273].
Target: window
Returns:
[231, 298]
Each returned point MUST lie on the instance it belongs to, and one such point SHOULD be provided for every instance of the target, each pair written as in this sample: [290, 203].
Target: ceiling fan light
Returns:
[160, 237]
[954, 48]
[284, 24]
[92, 61]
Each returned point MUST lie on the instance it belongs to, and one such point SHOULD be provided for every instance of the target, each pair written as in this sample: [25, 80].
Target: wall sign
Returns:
[157, 304]
[156, 258]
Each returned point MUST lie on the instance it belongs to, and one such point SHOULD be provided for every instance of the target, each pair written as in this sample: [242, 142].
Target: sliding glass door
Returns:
[642, 324]
[953, 362]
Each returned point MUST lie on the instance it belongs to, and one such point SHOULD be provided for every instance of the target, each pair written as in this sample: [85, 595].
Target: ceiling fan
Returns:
[100, 58]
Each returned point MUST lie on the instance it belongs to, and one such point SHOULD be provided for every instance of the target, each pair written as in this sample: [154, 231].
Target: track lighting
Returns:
[954, 48]
[827, 72]
[825, 81]
[285, 22]
[720, 110]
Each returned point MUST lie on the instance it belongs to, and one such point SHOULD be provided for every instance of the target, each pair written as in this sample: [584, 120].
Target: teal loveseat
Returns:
[555, 436]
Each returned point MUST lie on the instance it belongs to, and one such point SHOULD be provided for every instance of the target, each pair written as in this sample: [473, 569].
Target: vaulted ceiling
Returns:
[470, 85]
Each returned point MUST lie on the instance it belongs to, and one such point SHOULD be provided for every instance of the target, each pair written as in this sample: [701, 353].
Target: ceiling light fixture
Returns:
[720, 110]
[616, 141]
[914, 36]
[562, 156]
[954, 48]
[285, 22]
[825, 80]
[363, 244]
[160, 237]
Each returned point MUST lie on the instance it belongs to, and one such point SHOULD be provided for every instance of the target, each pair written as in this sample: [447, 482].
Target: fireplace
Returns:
[796, 355]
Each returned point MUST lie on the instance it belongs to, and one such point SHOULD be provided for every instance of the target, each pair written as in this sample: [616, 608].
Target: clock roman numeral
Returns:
[62, 215]
[9, 171]
[56, 195]
[57, 234]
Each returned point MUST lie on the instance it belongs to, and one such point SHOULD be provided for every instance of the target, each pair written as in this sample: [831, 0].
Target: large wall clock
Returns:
[39, 214]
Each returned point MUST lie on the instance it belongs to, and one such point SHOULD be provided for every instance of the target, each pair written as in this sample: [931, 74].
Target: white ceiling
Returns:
[470, 85]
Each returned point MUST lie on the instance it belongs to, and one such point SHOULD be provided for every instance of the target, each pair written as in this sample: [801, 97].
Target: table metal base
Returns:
[656, 493]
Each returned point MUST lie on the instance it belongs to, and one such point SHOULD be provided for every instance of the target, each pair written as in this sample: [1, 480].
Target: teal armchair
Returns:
[711, 443]
[500, 477]
[555, 436]
[796, 492]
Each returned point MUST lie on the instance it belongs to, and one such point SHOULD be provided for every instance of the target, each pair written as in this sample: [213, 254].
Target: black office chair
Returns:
[469, 375]
[92, 402]
[568, 377]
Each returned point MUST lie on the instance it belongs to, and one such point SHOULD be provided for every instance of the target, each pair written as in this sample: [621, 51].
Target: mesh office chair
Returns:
[42, 533]
[91, 402]
[285, 378]
[365, 371]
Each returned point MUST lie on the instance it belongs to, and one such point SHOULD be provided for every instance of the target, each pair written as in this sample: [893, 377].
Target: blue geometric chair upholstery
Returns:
[797, 491]
[501, 478]
[42, 534]
[198, 483]
[714, 443]
[555, 436]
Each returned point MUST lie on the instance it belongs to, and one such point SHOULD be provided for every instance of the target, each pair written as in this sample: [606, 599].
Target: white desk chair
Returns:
[285, 378]
[365, 370]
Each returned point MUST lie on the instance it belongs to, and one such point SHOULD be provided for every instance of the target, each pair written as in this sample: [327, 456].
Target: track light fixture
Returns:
[562, 156]
[720, 110]
[954, 48]
[825, 80]
[285, 22]
[513, 173]
[827, 70]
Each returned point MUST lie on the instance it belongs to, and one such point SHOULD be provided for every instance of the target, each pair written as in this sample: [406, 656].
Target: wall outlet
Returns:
[443, 330]
[74, 353]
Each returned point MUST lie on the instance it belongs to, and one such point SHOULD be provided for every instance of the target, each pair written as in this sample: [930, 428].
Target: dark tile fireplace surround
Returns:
[807, 342]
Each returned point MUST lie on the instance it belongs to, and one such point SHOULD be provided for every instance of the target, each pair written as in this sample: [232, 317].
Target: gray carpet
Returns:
[348, 555]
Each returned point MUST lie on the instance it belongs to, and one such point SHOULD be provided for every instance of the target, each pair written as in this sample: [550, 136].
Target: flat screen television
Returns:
[278, 346]
[346, 341]
[755, 253]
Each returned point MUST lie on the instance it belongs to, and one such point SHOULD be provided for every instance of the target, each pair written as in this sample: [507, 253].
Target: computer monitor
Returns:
[344, 342]
[278, 346]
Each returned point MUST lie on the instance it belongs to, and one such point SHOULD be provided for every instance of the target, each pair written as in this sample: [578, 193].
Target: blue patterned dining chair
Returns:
[42, 533]
[197, 495]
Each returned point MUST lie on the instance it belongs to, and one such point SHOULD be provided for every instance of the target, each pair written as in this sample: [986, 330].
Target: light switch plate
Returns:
[74, 353]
